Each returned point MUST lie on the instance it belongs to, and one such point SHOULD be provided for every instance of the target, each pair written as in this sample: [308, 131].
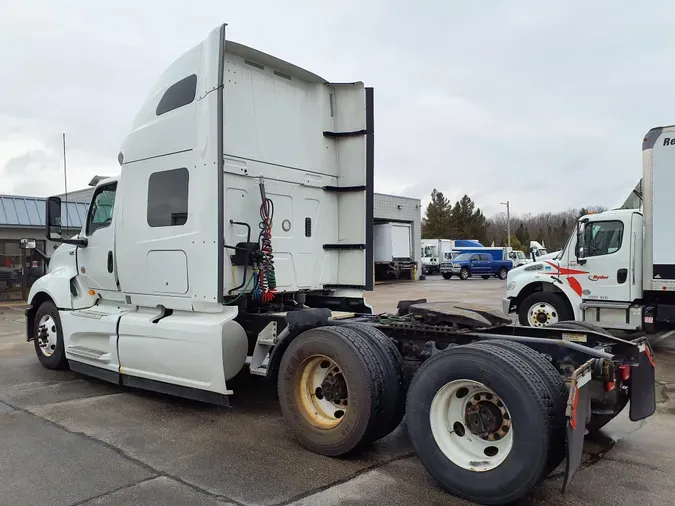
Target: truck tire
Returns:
[447, 275]
[556, 390]
[503, 273]
[464, 274]
[48, 339]
[507, 397]
[332, 362]
[394, 388]
[541, 309]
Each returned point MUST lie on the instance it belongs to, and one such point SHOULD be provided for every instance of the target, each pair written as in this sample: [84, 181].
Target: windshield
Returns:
[463, 257]
[429, 251]
[520, 255]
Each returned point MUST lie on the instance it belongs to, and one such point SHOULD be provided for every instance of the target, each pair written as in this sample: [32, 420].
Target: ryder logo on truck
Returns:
[597, 277]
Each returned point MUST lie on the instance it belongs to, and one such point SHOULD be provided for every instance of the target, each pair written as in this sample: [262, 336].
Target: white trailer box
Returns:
[392, 250]
[393, 241]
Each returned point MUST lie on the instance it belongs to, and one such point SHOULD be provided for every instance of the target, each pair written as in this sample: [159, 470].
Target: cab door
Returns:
[475, 264]
[96, 260]
[605, 274]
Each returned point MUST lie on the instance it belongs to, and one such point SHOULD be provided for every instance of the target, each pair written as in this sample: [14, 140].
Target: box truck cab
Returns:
[617, 269]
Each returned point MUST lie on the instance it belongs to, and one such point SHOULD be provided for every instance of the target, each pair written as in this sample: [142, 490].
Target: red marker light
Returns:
[625, 372]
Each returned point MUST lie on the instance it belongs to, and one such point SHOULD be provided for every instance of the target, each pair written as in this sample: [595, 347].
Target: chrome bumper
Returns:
[506, 305]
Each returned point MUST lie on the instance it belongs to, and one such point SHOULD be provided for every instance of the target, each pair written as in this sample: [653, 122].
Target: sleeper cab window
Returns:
[168, 198]
[177, 95]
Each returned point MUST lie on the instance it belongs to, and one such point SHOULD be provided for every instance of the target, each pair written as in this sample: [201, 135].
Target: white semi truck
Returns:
[618, 267]
[239, 235]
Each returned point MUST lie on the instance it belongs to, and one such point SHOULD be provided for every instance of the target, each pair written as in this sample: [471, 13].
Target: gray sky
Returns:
[539, 102]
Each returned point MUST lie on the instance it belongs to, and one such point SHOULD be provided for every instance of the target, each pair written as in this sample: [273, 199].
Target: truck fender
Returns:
[296, 323]
[56, 286]
[560, 285]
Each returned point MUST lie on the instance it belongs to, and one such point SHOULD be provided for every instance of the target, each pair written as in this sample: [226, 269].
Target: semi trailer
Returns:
[617, 269]
[239, 237]
[392, 250]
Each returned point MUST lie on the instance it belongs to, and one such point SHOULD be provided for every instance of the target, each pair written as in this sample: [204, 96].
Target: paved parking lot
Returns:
[66, 439]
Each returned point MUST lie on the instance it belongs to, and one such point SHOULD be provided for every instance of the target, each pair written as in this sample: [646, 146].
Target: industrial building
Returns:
[397, 209]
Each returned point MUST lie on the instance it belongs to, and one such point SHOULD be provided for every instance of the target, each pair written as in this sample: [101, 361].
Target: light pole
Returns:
[508, 222]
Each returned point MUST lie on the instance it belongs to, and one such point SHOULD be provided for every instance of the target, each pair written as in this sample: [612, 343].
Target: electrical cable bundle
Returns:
[266, 283]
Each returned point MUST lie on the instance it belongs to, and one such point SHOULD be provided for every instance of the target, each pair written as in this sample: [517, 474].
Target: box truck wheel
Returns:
[49, 337]
[394, 389]
[485, 277]
[464, 273]
[480, 420]
[540, 309]
[556, 389]
[447, 275]
[331, 389]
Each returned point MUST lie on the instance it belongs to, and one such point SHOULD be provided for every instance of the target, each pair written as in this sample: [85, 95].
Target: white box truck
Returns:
[239, 236]
[393, 250]
[434, 253]
[617, 270]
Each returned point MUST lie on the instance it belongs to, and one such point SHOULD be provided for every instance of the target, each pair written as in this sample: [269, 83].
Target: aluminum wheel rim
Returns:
[47, 335]
[542, 314]
[452, 417]
[321, 392]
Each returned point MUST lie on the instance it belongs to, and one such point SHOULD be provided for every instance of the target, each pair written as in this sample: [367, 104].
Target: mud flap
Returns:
[643, 385]
[578, 412]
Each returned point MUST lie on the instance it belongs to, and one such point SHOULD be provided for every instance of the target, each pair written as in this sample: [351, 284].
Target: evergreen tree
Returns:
[522, 234]
[468, 221]
[436, 222]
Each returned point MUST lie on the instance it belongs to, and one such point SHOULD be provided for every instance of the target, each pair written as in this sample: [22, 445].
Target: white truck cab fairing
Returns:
[143, 299]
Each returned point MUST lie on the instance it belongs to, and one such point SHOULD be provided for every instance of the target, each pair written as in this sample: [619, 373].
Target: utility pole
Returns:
[65, 182]
[508, 222]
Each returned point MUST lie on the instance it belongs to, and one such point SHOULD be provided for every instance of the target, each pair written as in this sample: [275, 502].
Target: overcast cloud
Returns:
[541, 103]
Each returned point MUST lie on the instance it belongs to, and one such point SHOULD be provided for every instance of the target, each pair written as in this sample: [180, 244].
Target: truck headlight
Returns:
[511, 285]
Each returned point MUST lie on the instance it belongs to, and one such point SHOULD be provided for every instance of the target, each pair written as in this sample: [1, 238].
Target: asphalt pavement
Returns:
[68, 440]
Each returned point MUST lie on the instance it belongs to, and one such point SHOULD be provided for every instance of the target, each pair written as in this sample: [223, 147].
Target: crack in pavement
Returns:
[128, 457]
[358, 473]
[119, 489]
[159, 473]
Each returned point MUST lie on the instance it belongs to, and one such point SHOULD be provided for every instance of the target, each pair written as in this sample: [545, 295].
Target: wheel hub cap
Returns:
[542, 314]
[47, 335]
[321, 392]
[471, 425]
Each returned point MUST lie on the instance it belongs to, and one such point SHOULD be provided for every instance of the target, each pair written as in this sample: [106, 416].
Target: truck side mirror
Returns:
[580, 248]
[53, 219]
[28, 244]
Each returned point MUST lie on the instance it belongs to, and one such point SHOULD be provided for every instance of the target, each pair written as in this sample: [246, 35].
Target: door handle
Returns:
[110, 261]
[621, 275]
